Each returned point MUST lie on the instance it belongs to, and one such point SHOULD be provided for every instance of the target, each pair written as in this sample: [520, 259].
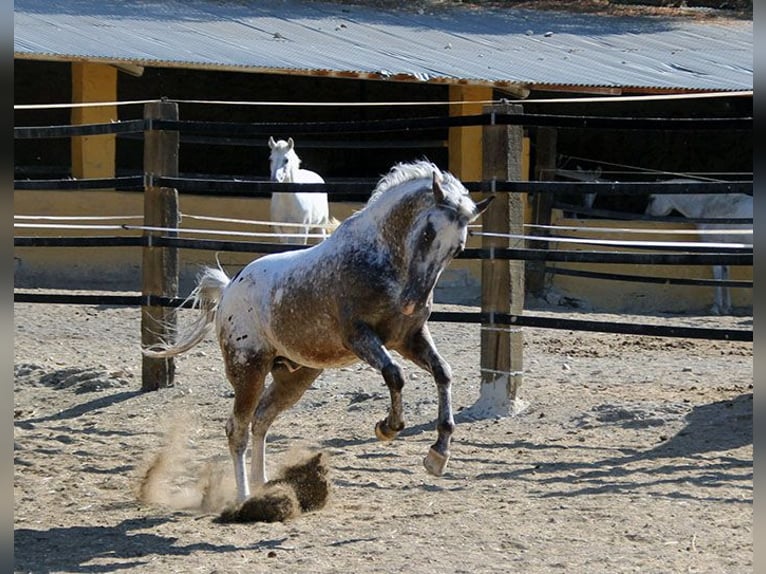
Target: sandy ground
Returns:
[634, 455]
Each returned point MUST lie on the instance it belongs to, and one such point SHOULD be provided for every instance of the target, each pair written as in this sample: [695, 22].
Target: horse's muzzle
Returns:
[409, 307]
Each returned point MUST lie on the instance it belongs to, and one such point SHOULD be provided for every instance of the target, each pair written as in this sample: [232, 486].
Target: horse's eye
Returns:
[429, 234]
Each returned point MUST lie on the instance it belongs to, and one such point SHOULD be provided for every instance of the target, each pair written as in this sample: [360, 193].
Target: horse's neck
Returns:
[292, 172]
[297, 175]
[393, 216]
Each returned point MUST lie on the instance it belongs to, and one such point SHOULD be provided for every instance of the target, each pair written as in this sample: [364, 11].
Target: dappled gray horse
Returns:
[363, 292]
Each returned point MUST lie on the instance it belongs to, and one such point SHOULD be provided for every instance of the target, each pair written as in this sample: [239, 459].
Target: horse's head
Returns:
[437, 235]
[283, 159]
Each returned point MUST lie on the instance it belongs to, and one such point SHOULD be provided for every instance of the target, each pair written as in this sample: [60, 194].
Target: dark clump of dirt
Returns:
[271, 503]
[309, 480]
[302, 486]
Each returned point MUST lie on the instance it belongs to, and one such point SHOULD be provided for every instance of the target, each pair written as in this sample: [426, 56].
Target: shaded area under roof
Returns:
[511, 48]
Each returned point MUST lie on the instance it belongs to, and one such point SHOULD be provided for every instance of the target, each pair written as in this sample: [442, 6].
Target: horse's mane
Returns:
[404, 172]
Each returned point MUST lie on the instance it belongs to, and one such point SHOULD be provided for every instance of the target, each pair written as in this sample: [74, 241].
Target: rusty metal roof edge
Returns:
[519, 89]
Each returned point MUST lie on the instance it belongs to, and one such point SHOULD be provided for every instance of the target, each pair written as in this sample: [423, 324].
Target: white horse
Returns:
[308, 209]
[707, 205]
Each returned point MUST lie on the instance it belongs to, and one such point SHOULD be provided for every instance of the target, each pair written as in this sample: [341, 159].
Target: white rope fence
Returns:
[628, 230]
[328, 226]
[177, 230]
[22, 222]
[599, 99]
[613, 242]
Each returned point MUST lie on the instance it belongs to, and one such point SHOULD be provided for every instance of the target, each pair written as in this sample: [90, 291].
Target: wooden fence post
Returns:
[545, 166]
[502, 281]
[160, 264]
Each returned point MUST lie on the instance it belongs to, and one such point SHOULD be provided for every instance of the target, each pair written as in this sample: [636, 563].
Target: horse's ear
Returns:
[290, 144]
[437, 189]
[482, 206]
[272, 143]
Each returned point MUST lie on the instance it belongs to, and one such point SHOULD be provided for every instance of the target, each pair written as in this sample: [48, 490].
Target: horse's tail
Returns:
[205, 297]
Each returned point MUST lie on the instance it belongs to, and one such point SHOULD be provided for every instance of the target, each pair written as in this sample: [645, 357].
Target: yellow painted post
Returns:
[465, 143]
[93, 156]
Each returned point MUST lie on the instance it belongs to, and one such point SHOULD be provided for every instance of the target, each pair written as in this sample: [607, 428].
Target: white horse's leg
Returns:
[725, 291]
[719, 307]
[237, 435]
[284, 391]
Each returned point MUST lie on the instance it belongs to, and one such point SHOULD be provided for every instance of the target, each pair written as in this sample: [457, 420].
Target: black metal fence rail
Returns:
[525, 320]
[227, 129]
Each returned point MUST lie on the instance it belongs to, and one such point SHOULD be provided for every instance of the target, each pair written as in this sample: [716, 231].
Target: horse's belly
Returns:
[313, 344]
[317, 357]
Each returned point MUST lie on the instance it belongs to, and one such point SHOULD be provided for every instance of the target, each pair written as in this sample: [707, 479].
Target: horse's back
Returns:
[308, 176]
[729, 206]
[284, 304]
[743, 204]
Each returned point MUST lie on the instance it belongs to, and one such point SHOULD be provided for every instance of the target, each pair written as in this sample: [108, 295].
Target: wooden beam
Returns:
[465, 147]
[93, 156]
[160, 265]
[502, 281]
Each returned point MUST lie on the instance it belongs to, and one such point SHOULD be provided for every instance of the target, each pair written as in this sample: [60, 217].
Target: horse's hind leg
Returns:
[422, 351]
[247, 380]
[726, 292]
[285, 390]
[722, 297]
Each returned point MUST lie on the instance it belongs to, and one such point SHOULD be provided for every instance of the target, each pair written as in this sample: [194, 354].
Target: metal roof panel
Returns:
[522, 47]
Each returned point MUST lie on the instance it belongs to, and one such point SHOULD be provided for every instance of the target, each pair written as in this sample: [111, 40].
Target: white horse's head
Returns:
[284, 161]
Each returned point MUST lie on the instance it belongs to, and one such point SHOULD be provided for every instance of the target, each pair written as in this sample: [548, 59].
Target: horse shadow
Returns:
[732, 419]
[123, 546]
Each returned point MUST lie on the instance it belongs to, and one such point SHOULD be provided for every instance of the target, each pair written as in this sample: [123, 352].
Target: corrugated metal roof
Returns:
[505, 48]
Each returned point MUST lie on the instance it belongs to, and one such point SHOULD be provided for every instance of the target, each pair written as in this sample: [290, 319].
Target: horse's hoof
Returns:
[435, 462]
[384, 432]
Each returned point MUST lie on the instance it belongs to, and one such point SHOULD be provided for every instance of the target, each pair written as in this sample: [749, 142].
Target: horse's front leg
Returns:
[366, 345]
[422, 351]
